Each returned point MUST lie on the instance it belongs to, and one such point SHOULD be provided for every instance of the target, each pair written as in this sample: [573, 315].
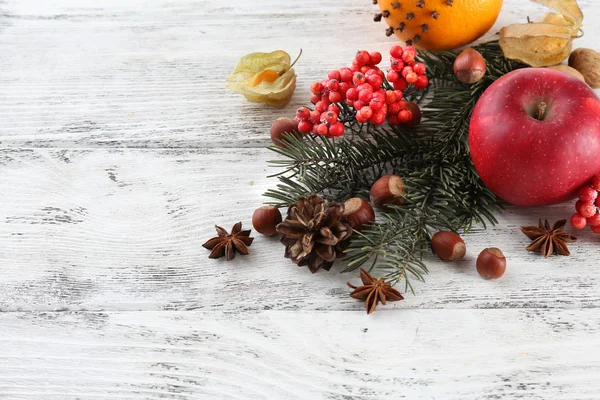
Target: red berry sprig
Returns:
[588, 207]
[364, 87]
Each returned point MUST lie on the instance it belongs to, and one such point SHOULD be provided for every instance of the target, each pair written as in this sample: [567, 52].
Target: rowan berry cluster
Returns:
[587, 207]
[365, 88]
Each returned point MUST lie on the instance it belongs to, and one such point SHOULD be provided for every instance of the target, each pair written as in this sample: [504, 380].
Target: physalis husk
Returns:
[264, 78]
[547, 41]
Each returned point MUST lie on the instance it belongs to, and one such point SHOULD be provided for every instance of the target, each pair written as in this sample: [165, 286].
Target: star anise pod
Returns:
[226, 244]
[549, 239]
[374, 291]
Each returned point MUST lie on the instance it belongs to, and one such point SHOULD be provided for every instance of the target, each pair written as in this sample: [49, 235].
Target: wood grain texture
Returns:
[121, 148]
[151, 73]
[122, 229]
[433, 354]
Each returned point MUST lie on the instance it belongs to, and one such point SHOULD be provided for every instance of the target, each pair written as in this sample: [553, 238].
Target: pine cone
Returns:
[315, 233]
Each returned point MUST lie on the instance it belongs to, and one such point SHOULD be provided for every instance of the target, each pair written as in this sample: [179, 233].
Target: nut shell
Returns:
[448, 246]
[587, 62]
[491, 263]
[469, 66]
[265, 220]
[387, 190]
[358, 213]
[281, 126]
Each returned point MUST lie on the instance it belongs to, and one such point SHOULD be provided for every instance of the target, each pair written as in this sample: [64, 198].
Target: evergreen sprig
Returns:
[442, 186]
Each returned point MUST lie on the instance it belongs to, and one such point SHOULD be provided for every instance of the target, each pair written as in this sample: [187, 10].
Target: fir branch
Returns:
[443, 189]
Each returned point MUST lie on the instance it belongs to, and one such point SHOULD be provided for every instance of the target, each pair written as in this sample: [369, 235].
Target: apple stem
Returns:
[541, 111]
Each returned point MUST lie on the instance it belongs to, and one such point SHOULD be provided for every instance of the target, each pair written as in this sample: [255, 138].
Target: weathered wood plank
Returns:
[151, 73]
[122, 229]
[445, 354]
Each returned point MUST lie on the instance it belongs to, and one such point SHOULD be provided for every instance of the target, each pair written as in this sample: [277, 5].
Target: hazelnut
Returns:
[491, 263]
[469, 66]
[448, 246]
[358, 212]
[283, 126]
[265, 220]
[387, 190]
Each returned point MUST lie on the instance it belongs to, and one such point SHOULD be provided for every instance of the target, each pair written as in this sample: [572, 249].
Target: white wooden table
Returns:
[121, 148]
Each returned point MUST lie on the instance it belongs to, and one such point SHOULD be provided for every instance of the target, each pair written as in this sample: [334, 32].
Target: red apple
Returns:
[535, 136]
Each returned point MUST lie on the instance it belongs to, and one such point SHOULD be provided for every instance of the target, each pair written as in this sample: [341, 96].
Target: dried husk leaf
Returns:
[567, 8]
[547, 41]
[264, 78]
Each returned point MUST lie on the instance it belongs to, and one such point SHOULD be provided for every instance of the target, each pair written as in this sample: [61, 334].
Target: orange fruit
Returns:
[439, 24]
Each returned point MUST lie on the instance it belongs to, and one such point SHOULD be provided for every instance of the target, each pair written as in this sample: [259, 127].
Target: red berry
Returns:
[335, 97]
[378, 118]
[303, 113]
[396, 65]
[596, 183]
[316, 87]
[371, 71]
[394, 108]
[333, 85]
[419, 68]
[364, 69]
[350, 103]
[321, 106]
[587, 210]
[376, 104]
[329, 117]
[400, 84]
[305, 126]
[359, 78]
[336, 129]
[409, 54]
[399, 95]
[594, 220]
[365, 95]
[422, 82]
[344, 86]
[403, 104]
[322, 129]
[393, 120]
[396, 51]
[578, 221]
[315, 117]
[375, 81]
[352, 94]
[363, 57]
[407, 70]
[335, 75]
[366, 112]
[598, 202]
[375, 57]
[358, 105]
[587, 194]
[596, 229]
[390, 97]
[354, 67]
[315, 98]
[345, 74]
[360, 118]
[404, 116]
[334, 108]
[412, 78]
[392, 76]
[365, 86]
